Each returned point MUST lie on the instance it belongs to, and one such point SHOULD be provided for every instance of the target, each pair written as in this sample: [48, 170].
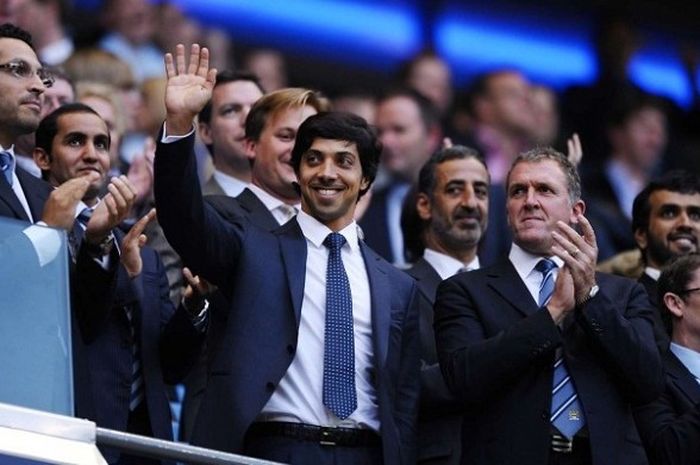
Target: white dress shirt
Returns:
[447, 266]
[299, 395]
[280, 210]
[689, 358]
[525, 262]
[653, 273]
[230, 185]
[16, 186]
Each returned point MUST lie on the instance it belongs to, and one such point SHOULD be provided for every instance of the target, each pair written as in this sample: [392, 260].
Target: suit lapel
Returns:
[293, 246]
[426, 277]
[682, 378]
[503, 278]
[35, 190]
[259, 214]
[7, 195]
[381, 302]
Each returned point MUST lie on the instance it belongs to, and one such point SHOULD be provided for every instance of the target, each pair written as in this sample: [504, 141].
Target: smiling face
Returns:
[330, 176]
[20, 98]
[538, 197]
[674, 227]
[272, 170]
[81, 146]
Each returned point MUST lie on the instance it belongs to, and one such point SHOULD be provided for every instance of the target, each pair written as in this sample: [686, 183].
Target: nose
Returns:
[37, 85]
[531, 198]
[328, 170]
[469, 197]
[90, 152]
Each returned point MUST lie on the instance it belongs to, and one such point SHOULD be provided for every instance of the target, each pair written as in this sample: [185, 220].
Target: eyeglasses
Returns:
[23, 70]
[690, 291]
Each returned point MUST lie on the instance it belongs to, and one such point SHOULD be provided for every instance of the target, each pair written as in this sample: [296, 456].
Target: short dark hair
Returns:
[345, 127]
[676, 276]
[10, 31]
[429, 115]
[224, 77]
[628, 103]
[481, 86]
[538, 154]
[679, 181]
[426, 177]
[48, 127]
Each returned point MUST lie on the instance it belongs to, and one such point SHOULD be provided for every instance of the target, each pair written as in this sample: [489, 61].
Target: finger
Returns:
[141, 224]
[180, 58]
[194, 59]
[588, 231]
[203, 69]
[118, 199]
[447, 143]
[169, 65]
[573, 236]
[142, 240]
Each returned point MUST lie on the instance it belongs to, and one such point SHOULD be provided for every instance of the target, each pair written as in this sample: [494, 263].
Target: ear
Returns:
[42, 159]
[250, 148]
[423, 207]
[578, 208]
[364, 184]
[674, 304]
[434, 138]
[640, 237]
[205, 133]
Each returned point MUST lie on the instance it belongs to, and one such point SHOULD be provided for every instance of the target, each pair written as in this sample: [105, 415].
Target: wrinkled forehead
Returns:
[15, 49]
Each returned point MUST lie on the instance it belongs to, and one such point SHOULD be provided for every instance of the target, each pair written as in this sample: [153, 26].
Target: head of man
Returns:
[501, 100]
[61, 92]
[335, 158]
[222, 120]
[666, 218]
[70, 142]
[679, 292]
[22, 81]
[453, 201]
[106, 102]
[430, 75]
[542, 187]
[637, 131]
[270, 129]
[409, 129]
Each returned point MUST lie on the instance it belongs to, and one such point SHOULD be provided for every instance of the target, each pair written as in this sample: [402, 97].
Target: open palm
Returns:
[190, 86]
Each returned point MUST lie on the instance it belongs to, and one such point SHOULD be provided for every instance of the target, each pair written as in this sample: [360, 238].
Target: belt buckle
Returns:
[562, 444]
[328, 437]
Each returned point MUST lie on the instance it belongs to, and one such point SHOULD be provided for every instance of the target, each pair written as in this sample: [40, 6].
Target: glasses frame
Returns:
[690, 291]
[23, 70]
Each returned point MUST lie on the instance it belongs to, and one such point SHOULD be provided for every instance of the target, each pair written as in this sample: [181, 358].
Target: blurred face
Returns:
[509, 96]
[80, 146]
[642, 139]
[458, 209]
[20, 97]
[544, 115]
[407, 142]
[106, 111]
[674, 227]
[431, 77]
[272, 170]
[58, 94]
[10, 10]
[538, 197]
[330, 176]
[231, 103]
[134, 19]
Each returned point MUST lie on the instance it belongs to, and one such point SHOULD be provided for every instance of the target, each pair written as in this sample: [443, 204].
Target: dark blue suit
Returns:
[35, 190]
[497, 348]
[264, 274]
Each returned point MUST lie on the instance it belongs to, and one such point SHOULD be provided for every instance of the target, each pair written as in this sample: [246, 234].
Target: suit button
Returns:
[290, 349]
[270, 386]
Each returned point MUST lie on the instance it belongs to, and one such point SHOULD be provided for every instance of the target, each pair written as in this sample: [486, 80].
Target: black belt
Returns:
[563, 445]
[326, 436]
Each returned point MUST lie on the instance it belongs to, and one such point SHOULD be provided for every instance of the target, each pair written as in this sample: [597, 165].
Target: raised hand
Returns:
[574, 149]
[132, 244]
[189, 87]
[112, 210]
[579, 252]
[59, 210]
[141, 171]
[196, 291]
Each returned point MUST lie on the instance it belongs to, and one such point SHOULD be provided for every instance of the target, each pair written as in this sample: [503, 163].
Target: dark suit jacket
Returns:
[670, 425]
[439, 420]
[264, 274]
[662, 319]
[374, 224]
[35, 190]
[497, 350]
[168, 344]
[245, 204]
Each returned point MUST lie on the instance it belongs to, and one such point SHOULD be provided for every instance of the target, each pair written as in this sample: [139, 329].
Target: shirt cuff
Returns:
[166, 139]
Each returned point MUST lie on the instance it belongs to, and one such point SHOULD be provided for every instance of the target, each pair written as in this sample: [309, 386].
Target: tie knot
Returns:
[5, 160]
[84, 216]
[334, 241]
[545, 265]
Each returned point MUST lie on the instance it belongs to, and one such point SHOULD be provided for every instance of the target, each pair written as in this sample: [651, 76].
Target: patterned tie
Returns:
[339, 349]
[6, 165]
[137, 391]
[566, 413]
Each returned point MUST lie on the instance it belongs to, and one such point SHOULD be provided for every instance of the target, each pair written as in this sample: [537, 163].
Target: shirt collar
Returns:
[445, 265]
[232, 186]
[688, 357]
[653, 273]
[267, 199]
[525, 262]
[316, 232]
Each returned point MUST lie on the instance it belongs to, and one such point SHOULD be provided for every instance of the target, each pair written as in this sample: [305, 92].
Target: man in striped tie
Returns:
[546, 354]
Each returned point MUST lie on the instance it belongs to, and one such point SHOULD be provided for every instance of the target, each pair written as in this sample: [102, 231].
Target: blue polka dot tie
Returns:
[6, 163]
[566, 413]
[339, 349]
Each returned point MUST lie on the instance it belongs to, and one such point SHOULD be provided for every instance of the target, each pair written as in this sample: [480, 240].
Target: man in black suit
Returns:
[670, 425]
[286, 383]
[138, 341]
[452, 205]
[542, 321]
[666, 225]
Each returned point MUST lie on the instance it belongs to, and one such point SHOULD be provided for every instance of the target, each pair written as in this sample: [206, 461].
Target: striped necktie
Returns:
[6, 166]
[566, 413]
[137, 388]
[339, 393]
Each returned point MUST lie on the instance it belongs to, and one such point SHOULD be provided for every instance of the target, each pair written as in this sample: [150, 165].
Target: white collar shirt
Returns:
[525, 262]
[16, 185]
[447, 266]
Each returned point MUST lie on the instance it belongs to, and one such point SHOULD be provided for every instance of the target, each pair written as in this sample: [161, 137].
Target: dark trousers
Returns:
[298, 452]
[139, 423]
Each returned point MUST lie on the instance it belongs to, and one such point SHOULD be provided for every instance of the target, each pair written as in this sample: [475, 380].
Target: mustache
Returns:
[683, 235]
[462, 213]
